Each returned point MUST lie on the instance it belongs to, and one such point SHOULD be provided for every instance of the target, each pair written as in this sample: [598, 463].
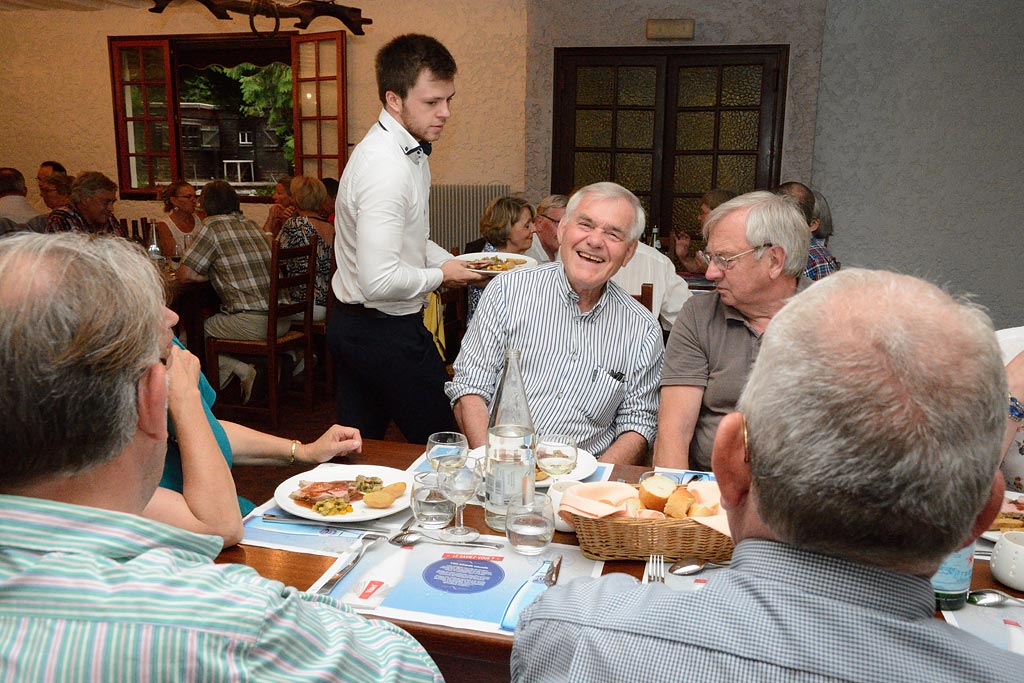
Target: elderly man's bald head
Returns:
[875, 413]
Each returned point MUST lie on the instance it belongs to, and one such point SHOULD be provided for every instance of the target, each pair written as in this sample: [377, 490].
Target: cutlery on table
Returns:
[413, 537]
[693, 565]
[655, 569]
[990, 597]
[551, 577]
[366, 542]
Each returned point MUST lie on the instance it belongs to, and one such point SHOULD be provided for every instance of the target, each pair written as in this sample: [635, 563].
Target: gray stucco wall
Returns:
[919, 145]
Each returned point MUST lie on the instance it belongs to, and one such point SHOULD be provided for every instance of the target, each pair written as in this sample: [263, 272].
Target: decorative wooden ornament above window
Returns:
[303, 10]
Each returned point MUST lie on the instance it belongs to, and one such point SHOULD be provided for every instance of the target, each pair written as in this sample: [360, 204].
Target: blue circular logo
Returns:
[454, 575]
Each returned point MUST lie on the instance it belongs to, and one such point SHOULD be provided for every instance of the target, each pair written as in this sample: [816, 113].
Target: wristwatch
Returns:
[1016, 409]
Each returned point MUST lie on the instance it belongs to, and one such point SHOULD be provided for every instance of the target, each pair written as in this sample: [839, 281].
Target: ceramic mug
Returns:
[1007, 561]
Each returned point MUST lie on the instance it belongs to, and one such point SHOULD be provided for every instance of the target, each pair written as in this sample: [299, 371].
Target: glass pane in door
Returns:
[636, 86]
[695, 130]
[635, 129]
[741, 85]
[592, 167]
[593, 128]
[595, 85]
[738, 130]
[698, 86]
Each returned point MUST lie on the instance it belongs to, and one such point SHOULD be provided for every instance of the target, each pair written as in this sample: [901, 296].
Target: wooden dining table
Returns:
[460, 654]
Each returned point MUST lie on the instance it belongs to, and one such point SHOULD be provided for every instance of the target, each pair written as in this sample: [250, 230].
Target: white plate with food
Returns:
[333, 488]
[494, 262]
[1011, 516]
[586, 464]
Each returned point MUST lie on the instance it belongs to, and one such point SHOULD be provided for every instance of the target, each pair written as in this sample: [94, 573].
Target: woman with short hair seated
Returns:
[507, 226]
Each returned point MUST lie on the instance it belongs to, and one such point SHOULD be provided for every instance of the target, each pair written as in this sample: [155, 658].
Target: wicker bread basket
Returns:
[622, 538]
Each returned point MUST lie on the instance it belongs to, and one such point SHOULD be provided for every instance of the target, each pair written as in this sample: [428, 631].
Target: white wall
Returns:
[919, 146]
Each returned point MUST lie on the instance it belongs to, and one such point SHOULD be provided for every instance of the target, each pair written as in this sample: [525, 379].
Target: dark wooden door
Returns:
[669, 123]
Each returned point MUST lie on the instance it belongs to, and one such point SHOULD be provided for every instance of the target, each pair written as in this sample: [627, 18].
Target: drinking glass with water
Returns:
[429, 505]
[530, 525]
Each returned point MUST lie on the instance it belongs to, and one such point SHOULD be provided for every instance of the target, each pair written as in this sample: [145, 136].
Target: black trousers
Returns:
[387, 368]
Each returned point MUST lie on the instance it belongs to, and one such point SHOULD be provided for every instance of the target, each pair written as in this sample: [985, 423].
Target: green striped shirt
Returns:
[93, 595]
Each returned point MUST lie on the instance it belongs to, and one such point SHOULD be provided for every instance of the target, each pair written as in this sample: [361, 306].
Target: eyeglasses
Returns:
[544, 215]
[724, 263]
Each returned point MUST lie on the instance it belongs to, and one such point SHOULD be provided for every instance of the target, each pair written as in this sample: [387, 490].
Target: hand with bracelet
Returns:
[251, 447]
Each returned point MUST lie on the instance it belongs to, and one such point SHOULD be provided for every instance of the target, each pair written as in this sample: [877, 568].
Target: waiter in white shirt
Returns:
[387, 366]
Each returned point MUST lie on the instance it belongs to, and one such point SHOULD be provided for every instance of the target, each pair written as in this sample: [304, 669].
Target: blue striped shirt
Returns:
[590, 375]
[93, 595]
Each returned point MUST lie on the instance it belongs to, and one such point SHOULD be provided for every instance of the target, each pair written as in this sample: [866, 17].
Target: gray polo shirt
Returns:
[711, 346]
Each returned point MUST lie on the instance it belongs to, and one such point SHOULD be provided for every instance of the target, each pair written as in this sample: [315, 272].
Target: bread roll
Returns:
[679, 504]
[655, 491]
[701, 510]
[633, 507]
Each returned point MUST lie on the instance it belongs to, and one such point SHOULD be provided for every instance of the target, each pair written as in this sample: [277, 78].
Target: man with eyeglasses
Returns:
[591, 355]
[549, 214]
[756, 251]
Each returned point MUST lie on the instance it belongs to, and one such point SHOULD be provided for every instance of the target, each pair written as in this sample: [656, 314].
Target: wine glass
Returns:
[447, 449]
[459, 484]
[556, 454]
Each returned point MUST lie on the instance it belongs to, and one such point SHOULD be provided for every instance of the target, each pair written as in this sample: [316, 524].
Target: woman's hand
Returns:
[182, 381]
[337, 440]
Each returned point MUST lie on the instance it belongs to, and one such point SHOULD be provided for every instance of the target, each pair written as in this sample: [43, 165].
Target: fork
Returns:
[656, 569]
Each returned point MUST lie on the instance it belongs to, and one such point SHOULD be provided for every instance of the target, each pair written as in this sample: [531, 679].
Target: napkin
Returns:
[613, 499]
[603, 499]
[708, 493]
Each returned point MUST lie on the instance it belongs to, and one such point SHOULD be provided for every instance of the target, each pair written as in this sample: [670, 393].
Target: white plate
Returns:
[530, 261]
[360, 513]
[994, 535]
[586, 464]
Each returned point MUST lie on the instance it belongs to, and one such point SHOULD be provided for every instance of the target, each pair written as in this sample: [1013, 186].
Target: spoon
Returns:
[990, 597]
[692, 565]
[412, 537]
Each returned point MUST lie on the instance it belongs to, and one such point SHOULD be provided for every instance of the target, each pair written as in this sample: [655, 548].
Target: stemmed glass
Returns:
[447, 449]
[459, 485]
[556, 454]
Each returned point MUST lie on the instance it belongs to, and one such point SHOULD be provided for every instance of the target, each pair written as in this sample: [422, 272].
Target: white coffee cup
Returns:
[1007, 561]
[555, 492]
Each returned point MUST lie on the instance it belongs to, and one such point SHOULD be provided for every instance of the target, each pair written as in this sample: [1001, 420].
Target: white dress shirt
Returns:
[536, 250]
[670, 290]
[385, 258]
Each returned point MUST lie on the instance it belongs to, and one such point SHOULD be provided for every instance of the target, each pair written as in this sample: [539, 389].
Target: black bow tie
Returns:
[424, 147]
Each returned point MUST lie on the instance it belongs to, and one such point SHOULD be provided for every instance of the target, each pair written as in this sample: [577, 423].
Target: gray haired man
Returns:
[847, 479]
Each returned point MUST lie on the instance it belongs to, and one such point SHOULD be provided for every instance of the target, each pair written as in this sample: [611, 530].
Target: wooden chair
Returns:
[455, 302]
[320, 327]
[280, 284]
[646, 296]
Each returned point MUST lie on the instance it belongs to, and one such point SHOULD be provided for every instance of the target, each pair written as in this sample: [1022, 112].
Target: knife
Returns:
[279, 519]
[551, 577]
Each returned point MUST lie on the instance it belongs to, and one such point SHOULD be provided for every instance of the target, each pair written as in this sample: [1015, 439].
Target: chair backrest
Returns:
[292, 272]
[646, 296]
